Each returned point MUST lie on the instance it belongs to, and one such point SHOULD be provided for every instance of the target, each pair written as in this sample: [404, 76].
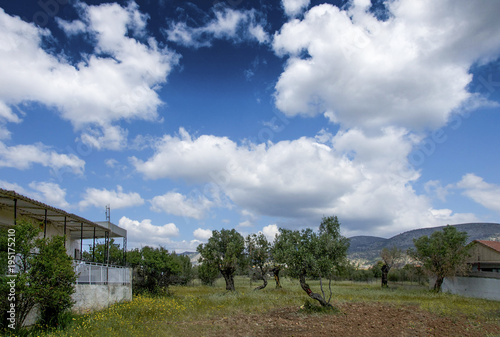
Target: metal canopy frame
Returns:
[79, 228]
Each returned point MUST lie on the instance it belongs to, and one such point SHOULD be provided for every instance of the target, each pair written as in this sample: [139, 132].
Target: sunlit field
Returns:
[187, 306]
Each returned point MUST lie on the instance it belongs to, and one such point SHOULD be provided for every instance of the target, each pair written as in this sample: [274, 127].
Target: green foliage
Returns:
[376, 269]
[224, 250]
[99, 253]
[53, 272]
[310, 253]
[186, 274]
[44, 276]
[208, 273]
[154, 269]
[409, 273]
[442, 254]
[351, 272]
[258, 252]
[258, 249]
[306, 253]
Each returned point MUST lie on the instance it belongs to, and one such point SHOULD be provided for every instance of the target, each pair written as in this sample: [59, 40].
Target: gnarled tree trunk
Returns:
[385, 272]
[229, 278]
[311, 294]
[276, 273]
[263, 276]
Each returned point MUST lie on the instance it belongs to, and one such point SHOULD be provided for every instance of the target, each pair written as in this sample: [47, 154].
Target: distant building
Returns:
[484, 257]
[98, 284]
[483, 280]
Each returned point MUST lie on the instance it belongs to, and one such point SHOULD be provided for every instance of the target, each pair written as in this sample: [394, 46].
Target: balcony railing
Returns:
[97, 273]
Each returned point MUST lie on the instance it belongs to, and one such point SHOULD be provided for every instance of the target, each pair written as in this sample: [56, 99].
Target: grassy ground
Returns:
[168, 316]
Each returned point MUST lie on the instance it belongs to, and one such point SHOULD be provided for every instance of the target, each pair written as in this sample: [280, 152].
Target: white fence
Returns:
[97, 273]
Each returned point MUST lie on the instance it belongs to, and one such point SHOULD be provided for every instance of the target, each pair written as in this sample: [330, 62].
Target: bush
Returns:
[208, 273]
[154, 269]
[45, 278]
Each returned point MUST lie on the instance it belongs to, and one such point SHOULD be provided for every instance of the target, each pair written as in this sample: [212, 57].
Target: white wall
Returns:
[90, 297]
[487, 288]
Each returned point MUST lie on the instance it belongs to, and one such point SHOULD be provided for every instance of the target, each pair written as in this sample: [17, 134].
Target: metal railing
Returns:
[98, 273]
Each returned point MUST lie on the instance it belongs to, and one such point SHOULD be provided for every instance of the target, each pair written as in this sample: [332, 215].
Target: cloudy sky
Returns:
[186, 116]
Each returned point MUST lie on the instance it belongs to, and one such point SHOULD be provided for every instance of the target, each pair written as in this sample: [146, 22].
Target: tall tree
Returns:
[225, 251]
[310, 254]
[390, 257]
[443, 254]
[258, 249]
[154, 269]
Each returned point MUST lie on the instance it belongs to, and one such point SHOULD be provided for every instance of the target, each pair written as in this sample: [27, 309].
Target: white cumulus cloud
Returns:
[23, 157]
[270, 232]
[365, 180]
[294, 7]
[202, 234]
[116, 199]
[50, 193]
[117, 81]
[145, 233]
[227, 23]
[482, 192]
[180, 205]
[411, 70]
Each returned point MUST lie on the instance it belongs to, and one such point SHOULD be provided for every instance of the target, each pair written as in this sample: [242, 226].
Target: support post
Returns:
[64, 231]
[125, 250]
[81, 240]
[45, 225]
[93, 248]
[106, 240]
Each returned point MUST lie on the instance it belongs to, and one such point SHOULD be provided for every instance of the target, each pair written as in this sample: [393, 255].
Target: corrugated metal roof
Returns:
[495, 245]
[39, 211]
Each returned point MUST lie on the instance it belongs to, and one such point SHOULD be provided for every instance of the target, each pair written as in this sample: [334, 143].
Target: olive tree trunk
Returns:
[229, 278]
[385, 273]
[263, 276]
[276, 273]
[310, 293]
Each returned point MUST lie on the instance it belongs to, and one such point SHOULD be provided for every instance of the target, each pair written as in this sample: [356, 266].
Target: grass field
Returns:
[174, 315]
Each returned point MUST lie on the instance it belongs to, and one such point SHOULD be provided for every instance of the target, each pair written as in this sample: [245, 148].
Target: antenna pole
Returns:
[108, 213]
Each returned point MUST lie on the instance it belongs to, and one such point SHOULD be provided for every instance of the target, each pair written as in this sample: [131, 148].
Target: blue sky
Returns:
[186, 117]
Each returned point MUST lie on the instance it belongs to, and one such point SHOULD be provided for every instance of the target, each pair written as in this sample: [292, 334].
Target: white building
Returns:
[98, 285]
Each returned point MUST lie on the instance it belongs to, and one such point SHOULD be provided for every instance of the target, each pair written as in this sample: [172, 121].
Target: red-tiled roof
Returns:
[491, 244]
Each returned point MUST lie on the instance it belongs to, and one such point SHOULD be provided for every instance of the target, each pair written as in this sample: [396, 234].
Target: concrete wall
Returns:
[487, 288]
[90, 297]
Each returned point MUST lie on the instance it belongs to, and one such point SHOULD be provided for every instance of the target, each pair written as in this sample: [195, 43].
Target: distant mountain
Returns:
[365, 250]
[193, 256]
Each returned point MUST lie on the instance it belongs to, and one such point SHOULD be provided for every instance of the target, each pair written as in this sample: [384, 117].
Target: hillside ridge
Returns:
[365, 250]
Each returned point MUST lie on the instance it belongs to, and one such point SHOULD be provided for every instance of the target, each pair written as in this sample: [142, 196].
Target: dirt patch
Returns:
[355, 319]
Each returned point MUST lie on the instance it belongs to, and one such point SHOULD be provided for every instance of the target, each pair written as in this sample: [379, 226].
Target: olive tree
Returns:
[224, 250]
[390, 256]
[310, 254]
[443, 254]
[258, 249]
